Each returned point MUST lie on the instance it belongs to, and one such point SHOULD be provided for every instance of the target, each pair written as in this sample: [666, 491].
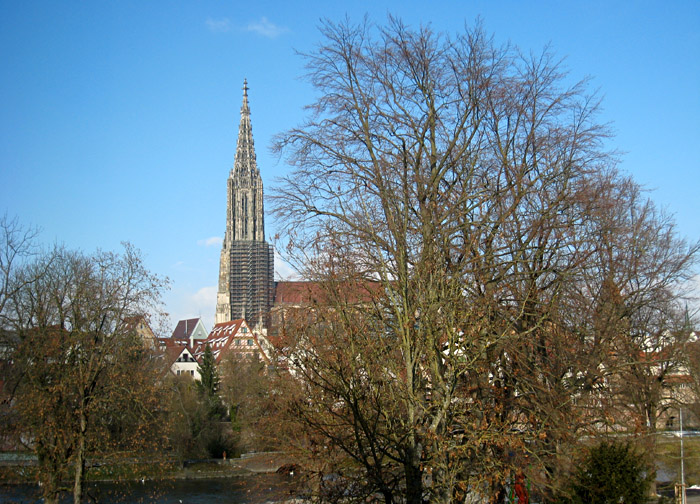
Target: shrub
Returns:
[612, 472]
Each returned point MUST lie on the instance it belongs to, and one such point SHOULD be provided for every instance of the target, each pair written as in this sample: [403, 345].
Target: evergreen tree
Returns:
[209, 386]
[611, 473]
[209, 375]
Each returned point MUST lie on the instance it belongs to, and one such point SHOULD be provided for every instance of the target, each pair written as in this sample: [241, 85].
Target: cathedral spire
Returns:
[246, 269]
[244, 107]
[245, 162]
[245, 218]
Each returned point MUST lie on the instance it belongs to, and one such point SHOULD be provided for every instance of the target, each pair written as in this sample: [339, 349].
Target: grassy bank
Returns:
[125, 470]
[668, 455]
[16, 474]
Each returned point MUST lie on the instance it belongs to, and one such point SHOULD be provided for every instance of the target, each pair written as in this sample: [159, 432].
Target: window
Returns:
[244, 330]
[250, 342]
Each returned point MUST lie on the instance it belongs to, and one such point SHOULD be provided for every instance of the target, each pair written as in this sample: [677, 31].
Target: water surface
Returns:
[254, 489]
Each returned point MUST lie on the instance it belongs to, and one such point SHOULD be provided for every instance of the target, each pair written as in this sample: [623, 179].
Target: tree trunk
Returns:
[52, 493]
[80, 462]
[414, 483]
[49, 477]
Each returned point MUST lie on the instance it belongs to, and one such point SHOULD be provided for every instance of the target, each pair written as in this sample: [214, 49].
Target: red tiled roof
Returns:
[133, 321]
[677, 379]
[222, 341]
[172, 349]
[298, 293]
[223, 328]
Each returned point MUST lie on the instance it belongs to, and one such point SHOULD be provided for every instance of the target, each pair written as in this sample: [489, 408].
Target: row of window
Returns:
[228, 330]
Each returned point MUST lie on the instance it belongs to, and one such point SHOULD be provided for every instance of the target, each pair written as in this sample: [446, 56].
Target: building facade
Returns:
[246, 268]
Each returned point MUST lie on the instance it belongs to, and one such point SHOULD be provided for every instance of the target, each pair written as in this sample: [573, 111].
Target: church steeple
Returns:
[246, 269]
[245, 162]
[245, 213]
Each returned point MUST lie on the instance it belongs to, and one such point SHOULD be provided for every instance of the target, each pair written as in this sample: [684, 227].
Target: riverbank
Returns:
[255, 488]
[250, 479]
[22, 468]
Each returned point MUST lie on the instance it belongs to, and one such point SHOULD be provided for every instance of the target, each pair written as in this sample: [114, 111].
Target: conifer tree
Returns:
[611, 472]
[209, 376]
[209, 385]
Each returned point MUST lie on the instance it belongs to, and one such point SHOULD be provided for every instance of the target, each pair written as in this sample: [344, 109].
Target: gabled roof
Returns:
[134, 322]
[226, 328]
[185, 328]
[224, 337]
[220, 339]
[172, 349]
[140, 326]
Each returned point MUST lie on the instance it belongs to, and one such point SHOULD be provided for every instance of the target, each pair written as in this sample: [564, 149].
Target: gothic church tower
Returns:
[246, 269]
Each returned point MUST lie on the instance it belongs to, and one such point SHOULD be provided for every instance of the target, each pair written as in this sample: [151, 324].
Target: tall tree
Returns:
[87, 382]
[209, 385]
[442, 198]
[246, 387]
[209, 373]
[17, 245]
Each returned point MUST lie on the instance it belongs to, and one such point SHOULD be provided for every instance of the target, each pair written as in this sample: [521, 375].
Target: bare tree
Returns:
[246, 389]
[450, 173]
[640, 276]
[456, 205]
[88, 386]
[17, 244]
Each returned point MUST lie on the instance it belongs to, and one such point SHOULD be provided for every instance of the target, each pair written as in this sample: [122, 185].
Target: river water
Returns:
[254, 489]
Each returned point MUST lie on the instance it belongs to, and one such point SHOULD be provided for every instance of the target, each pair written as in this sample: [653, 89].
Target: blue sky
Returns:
[118, 120]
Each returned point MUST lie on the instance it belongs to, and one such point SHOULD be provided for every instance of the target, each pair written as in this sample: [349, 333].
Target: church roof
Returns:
[296, 293]
[306, 292]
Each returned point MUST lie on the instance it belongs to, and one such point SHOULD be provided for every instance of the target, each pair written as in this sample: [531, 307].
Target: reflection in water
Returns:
[254, 489]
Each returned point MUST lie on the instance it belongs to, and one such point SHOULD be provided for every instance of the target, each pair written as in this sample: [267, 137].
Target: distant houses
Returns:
[140, 326]
[235, 339]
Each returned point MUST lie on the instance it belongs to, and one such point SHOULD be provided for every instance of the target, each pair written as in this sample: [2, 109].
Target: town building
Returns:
[180, 358]
[178, 349]
[140, 326]
[234, 339]
[189, 332]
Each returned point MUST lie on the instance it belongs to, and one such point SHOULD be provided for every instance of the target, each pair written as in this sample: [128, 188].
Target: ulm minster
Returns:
[248, 297]
[489, 310]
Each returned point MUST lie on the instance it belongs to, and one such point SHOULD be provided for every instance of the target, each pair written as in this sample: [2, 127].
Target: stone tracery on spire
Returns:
[245, 161]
